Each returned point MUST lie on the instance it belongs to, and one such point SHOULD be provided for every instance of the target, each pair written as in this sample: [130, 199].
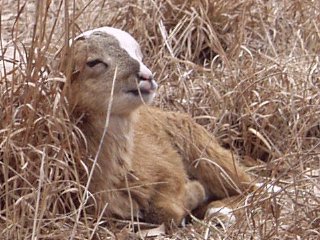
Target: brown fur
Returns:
[159, 164]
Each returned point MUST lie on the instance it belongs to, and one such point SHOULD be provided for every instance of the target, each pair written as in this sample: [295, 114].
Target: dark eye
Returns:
[96, 62]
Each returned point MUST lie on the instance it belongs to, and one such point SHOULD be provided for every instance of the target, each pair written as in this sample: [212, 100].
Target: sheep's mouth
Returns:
[145, 87]
[137, 92]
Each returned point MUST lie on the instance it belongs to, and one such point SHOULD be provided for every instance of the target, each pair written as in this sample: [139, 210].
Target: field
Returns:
[247, 70]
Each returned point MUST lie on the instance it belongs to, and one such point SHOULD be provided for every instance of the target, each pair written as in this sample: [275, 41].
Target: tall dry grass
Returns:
[248, 71]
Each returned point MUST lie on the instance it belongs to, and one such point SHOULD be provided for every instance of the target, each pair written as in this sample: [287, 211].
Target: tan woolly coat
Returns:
[154, 165]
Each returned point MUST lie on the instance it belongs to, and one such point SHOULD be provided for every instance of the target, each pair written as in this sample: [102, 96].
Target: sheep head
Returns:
[108, 65]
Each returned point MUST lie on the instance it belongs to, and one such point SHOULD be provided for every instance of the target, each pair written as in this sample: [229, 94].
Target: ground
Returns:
[248, 71]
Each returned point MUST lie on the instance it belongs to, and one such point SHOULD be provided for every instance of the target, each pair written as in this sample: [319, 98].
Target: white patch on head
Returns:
[224, 212]
[127, 42]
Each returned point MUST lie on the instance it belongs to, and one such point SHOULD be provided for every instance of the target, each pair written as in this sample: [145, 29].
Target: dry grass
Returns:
[249, 71]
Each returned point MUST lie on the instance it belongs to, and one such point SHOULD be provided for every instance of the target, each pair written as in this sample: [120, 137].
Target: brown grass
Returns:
[248, 71]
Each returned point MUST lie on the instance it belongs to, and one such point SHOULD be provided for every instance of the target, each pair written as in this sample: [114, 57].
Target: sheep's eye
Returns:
[95, 62]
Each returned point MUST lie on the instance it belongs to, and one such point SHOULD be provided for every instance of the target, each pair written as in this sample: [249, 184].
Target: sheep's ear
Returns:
[81, 38]
[74, 75]
[79, 58]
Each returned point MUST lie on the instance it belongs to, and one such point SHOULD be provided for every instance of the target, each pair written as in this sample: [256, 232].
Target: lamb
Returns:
[154, 165]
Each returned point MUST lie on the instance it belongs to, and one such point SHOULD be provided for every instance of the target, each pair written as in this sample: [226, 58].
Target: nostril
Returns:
[145, 77]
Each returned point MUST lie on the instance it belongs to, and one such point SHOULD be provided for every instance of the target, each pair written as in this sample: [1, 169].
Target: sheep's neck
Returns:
[115, 154]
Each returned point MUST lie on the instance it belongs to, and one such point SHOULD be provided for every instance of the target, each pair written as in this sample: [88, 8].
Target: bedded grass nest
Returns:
[248, 71]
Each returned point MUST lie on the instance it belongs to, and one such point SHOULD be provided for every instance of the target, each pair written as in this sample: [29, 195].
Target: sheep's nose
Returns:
[144, 73]
[145, 76]
[146, 80]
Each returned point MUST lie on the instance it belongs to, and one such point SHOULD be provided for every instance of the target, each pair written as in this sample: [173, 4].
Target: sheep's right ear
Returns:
[79, 57]
[74, 75]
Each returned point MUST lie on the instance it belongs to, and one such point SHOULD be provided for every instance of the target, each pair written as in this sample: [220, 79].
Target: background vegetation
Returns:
[247, 70]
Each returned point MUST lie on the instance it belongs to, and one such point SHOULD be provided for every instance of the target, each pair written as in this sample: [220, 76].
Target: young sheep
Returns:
[156, 165]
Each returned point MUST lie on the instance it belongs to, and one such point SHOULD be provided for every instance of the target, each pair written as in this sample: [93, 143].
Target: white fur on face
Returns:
[127, 42]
